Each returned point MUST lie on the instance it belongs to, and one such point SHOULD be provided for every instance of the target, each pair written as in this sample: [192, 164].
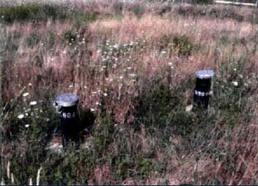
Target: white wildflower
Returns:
[26, 126]
[25, 94]
[86, 145]
[98, 103]
[92, 109]
[189, 108]
[170, 64]
[235, 83]
[70, 86]
[33, 103]
[105, 94]
[133, 75]
[21, 116]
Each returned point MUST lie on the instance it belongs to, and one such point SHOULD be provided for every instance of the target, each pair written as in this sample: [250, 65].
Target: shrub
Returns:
[202, 1]
[27, 12]
[213, 12]
[180, 45]
[37, 12]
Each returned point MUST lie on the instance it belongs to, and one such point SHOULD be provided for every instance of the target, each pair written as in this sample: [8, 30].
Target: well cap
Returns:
[67, 100]
[205, 74]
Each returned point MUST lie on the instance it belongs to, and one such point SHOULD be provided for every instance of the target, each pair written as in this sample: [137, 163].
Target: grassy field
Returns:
[133, 67]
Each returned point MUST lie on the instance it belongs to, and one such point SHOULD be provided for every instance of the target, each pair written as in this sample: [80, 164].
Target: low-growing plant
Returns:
[180, 45]
[104, 132]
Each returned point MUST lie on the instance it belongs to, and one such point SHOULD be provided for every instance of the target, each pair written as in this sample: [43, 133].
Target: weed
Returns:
[180, 45]
[104, 132]
[135, 77]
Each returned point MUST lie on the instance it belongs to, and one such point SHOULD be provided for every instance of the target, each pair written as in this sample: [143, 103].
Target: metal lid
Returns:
[205, 74]
[67, 100]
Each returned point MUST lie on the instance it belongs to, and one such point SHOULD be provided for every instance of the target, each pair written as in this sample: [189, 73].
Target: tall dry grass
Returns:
[111, 61]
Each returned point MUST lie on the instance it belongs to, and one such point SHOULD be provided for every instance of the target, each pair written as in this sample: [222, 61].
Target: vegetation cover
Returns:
[133, 66]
